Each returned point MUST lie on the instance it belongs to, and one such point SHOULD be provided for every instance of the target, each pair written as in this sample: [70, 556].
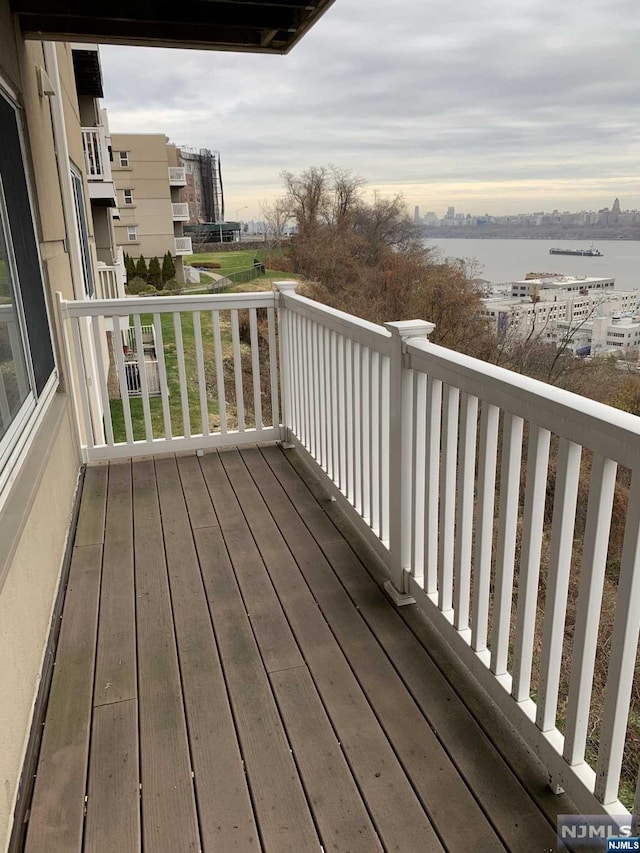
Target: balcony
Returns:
[183, 246]
[177, 176]
[98, 165]
[180, 212]
[277, 686]
[111, 279]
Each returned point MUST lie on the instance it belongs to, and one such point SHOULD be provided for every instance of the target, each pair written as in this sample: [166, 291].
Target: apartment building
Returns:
[148, 176]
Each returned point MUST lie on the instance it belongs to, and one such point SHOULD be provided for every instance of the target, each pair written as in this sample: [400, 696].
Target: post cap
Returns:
[285, 286]
[405, 329]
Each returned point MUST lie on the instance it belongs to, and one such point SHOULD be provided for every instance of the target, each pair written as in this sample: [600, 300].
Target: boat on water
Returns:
[591, 252]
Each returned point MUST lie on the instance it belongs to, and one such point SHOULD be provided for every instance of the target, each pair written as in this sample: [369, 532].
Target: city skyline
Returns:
[490, 107]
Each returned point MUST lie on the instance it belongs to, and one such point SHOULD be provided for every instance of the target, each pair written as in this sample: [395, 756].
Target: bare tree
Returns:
[276, 216]
[307, 197]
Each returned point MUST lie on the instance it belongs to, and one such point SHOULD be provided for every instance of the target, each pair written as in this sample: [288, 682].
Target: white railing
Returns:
[110, 281]
[183, 246]
[177, 176]
[216, 366]
[414, 438]
[96, 153]
[180, 211]
[459, 473]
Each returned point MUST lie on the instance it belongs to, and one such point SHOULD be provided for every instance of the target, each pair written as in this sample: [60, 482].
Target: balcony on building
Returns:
[180, 211]
[183, 246]
[177, 176]
[97, 158]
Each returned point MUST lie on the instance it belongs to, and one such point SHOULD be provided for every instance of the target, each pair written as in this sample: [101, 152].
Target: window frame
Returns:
[130, 202]
[15, 444]
[133, 228]
[124, 155]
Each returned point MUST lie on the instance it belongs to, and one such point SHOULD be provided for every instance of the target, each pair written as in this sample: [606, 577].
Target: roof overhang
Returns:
[256, 26]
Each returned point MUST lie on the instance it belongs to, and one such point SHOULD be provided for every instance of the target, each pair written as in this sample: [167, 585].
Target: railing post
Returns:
[284, 287]
[401, 522]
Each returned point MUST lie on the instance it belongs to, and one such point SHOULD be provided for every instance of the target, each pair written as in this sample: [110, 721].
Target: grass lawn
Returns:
[235, 261]
[173, 381]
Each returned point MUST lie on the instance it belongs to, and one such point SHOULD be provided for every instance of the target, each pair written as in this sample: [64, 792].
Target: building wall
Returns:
[34, 522]
[148, 178]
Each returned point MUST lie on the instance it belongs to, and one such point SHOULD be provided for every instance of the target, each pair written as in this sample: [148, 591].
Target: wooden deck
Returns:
[229, 677]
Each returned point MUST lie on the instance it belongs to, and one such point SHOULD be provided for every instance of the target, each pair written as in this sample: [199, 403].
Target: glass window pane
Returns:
[14, 381]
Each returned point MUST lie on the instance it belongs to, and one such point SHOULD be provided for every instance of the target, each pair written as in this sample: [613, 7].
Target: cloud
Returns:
[491, 101]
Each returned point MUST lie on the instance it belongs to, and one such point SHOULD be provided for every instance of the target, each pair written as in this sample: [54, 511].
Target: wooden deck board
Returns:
[116, 676]
[225, 813]
[505, 801]
[233, 632]
[57, 809]
[280, 805]
[435, 778]
[400, 819]
[169, 821]
[113, 801]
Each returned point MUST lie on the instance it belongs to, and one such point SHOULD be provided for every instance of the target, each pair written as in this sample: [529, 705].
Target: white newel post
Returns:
[401, 527]
[284, 287]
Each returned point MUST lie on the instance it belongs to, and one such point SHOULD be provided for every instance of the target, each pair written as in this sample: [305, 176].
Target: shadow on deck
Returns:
[229, 676]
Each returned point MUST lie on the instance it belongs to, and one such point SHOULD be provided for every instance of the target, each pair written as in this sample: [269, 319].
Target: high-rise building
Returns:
[451, 212]
[416, 214]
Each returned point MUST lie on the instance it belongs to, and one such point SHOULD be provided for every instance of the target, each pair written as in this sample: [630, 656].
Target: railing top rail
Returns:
[167, 304]
[369, 334]
[608, 431]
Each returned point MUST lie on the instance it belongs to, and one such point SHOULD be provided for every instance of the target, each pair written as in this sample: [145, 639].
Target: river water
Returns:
[511, 260]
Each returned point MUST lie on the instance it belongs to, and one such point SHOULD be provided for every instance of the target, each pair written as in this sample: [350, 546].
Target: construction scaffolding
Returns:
[205, 167]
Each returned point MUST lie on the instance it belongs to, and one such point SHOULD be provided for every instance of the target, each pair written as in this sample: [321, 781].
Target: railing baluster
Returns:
[585, 634]
[142, 375]
[217, 346]
[555, 606]
[237, 369]
[365, 409]
[486, 491]
[357, 427]
[624, 645]
[418, 474]
[182, 374]
[432, 483]
[122, 378]
[464, 520]
[102, 379]
[317, 417]
[374, 453]
[255, 368]
[506, 547]
[335, 437]
[385, 370]
[528, 578]
[448, 496]
[202, 382]
[82, 372]
[162, 373]
[308, 386]
[348, 375]
[273, 368]
[342, 417]
[324, 408]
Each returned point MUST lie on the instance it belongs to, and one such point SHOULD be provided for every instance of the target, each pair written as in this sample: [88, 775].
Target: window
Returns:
[132, 233]
[124, 158]
[83, 232]
[128, 196]
[27, 366]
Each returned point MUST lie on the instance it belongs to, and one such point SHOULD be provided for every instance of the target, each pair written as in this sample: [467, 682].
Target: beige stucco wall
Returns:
[34, 523]
[148, 177]
[26, 604]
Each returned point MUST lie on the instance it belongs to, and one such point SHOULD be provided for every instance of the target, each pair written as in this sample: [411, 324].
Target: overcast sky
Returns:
[501, 106]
